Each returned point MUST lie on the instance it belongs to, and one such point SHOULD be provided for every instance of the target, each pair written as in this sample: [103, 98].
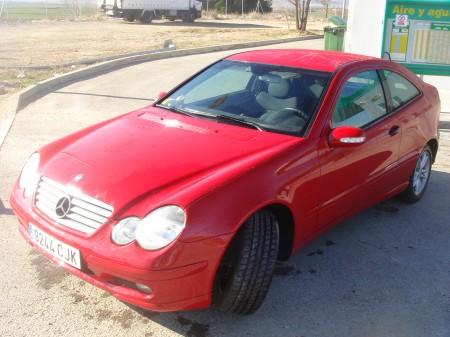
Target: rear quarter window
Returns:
[401, 89]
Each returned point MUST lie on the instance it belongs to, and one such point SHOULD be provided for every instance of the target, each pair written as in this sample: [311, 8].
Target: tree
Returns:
[301, 13]
[326, 4]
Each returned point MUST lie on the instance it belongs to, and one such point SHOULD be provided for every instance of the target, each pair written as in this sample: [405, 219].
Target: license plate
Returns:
[56, 248]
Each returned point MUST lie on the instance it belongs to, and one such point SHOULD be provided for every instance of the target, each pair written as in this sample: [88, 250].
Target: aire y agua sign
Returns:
[417, 34]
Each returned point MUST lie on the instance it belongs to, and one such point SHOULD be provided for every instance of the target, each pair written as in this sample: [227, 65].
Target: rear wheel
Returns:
[146, 17]
[190, 16]
[129, 16]
[246, 270]
[418, 181]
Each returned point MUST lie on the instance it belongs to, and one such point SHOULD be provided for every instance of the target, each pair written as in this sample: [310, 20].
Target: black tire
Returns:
[129, 17]
[412, 194]
[246, 270]
[146, 17]
[190, 16]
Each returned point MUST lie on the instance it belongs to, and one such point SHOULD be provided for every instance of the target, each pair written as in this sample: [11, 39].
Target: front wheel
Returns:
[246, 270]
[418, 181]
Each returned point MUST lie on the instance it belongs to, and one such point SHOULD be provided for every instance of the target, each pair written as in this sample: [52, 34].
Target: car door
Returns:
[353, 177]
[410, 108]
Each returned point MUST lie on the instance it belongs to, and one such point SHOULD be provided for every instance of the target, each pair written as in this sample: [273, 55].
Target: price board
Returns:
[417, 35]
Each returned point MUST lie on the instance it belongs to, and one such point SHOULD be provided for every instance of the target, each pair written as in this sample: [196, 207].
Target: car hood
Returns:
[154, 150]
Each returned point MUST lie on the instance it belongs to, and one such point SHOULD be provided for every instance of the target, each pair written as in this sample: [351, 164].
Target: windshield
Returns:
[266, 97]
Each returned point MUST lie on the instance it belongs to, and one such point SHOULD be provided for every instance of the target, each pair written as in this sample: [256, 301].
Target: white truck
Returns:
[147, 10]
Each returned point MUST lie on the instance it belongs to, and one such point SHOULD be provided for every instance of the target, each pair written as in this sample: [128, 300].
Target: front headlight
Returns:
[125, 231]
[158, 229]
[29, 177]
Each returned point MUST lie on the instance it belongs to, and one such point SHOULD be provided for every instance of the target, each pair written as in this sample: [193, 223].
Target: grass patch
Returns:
[14, 80]
[18, 11]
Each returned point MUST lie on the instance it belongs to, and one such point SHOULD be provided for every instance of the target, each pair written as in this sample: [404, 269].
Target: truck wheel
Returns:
[129, 17]
[418, 181]
[245, 273]
[146, 17]
[190, 16]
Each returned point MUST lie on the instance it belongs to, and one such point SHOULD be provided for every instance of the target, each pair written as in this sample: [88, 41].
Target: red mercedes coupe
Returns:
[190, 201]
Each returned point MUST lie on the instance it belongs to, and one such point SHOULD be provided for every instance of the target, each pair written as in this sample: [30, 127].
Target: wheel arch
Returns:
[434, 145]
[286, 226]
[286, 229]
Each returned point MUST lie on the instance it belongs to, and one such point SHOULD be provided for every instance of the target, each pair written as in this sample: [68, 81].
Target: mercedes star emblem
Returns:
[62, 207]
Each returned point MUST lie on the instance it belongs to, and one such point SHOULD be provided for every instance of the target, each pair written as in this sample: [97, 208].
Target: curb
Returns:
[20, 100]
[90, 61]
[8, 111]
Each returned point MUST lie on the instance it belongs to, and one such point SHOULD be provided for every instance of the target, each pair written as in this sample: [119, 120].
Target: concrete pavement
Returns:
[382, 273]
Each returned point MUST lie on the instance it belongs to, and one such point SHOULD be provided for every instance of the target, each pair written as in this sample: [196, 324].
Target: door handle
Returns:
[394, 130]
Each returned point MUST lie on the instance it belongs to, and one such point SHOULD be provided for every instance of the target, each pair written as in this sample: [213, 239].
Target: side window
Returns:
[361, 101]
[402, 90]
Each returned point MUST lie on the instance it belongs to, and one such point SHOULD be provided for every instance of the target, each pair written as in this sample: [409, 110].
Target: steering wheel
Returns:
[299, 113]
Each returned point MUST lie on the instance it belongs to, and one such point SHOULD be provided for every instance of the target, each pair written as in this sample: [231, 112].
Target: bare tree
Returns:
[297, 22]
[74, 7]
[301, 13]
[326, 4]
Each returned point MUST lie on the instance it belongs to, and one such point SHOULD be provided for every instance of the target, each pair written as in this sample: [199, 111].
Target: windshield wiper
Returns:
[186, 111]
[240, 121]
[195, 113]
[177, 110]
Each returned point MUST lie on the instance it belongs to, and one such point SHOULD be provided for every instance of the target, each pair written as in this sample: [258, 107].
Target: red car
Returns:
[191, 200]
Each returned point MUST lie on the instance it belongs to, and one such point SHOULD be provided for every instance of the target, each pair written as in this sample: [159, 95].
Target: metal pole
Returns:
[343, 8]
[1, 8]
[226, 7]
[242, 7]
[207, 6]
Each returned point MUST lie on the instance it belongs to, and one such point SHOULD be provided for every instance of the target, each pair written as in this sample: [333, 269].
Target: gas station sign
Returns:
[417, 35]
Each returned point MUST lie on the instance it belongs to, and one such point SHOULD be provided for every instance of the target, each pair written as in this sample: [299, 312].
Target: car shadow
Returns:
[370, 275]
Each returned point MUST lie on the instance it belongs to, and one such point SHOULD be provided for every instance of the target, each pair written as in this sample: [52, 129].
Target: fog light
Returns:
[144, 288]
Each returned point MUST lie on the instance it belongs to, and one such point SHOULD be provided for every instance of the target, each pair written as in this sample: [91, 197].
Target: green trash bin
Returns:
[334, 38]
[334, 35]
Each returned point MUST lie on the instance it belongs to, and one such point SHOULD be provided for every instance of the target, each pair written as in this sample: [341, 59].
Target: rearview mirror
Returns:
[161, 95]
[346, 136]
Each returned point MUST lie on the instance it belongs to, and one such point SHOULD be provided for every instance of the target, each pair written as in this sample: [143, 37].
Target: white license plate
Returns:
[58, 249]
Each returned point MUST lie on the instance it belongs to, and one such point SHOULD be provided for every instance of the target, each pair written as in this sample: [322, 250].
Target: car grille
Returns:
[77, 210]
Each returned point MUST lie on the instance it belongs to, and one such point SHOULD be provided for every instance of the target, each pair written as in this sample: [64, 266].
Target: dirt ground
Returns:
[47, 43]
[42, 43]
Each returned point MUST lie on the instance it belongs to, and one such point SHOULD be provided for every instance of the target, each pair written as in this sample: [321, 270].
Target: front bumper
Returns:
[180, 276]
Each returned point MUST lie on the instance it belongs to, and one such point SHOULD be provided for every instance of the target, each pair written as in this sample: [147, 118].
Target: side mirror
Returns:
[346, 136]
[161, 95]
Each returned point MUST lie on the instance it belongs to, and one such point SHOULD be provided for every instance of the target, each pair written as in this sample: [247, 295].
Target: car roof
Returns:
[319, 60]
